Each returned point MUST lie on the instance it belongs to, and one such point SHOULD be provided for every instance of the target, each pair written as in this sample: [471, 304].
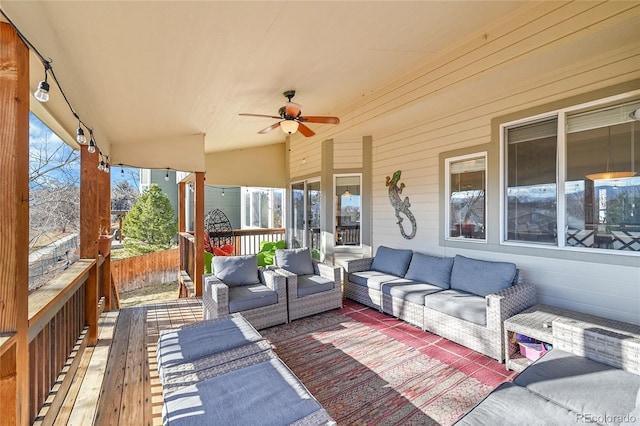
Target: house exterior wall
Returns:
[551, 53]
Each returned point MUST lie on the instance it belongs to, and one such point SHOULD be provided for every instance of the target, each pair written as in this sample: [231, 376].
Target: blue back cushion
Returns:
[391, 261]
[236, 270]
[430, 270]
[297, 261]
[481, 277]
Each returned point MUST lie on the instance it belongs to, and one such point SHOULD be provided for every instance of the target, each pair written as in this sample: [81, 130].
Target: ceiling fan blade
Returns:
[305, 130]
[270, 128]
[293, 109]
[260, 115]
[319, 119]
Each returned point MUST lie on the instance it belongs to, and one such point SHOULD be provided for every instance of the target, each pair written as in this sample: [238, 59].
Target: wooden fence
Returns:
[139, 271]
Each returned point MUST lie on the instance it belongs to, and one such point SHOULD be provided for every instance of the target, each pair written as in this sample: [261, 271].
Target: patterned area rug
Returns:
[363, 376]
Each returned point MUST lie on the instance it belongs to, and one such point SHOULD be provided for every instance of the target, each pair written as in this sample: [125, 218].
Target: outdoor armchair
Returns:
[239, 285]
[312, 287]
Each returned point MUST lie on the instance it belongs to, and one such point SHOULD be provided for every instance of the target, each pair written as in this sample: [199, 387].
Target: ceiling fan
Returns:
[291, 118]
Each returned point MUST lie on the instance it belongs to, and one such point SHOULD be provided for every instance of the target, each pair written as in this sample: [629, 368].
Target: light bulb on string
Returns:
[81, 138]
[107, 167]
[121, 170]
[42, 93]
[166, 176]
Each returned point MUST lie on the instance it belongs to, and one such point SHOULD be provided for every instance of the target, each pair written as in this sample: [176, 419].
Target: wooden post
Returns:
[182, 202]
[89, 231]
[105, 222]
[14, 227]
[198, 229]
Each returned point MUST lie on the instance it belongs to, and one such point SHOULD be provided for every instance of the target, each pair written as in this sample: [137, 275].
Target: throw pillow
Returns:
[392, 261]
[208, 257]
[481, 277]
[430, 270]
[297, 261]
[236, 270]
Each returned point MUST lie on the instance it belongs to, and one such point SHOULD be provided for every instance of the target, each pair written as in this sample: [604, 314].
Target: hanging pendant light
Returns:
[608, 174]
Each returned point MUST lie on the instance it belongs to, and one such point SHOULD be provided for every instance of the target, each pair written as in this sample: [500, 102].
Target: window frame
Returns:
[447, 190]
[561, 114]
[345, 247]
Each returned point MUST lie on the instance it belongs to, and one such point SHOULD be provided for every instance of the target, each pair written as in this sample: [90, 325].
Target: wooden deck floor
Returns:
[117, 383]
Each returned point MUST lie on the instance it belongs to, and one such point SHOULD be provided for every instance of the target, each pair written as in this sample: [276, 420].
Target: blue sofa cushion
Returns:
[510, 405]
[371, 279]
[236, 270]
[581, 385]
[459, 304]
[245, 297]
[430, 269]
[481, 277]
[186, 344]
[267, 393]
[392, 261]
[297, 261]
[408, 290]
[313, 284]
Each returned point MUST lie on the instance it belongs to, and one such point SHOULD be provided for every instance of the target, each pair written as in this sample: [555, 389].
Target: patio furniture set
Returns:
[295, 287]
[461, 299]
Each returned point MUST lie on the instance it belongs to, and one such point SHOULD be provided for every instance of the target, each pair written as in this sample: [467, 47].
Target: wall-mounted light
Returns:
[289, 126]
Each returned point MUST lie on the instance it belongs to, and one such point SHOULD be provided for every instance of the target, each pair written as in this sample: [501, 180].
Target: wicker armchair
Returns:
[222, 298]
[308, 293]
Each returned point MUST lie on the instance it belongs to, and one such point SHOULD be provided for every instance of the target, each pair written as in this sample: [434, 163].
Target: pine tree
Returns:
[150, 225]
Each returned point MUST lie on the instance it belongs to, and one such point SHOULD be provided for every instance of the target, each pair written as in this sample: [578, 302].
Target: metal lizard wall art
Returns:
[400, 205]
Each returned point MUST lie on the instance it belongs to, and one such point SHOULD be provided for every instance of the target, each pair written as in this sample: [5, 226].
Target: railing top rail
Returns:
[45, 302]
[6, 340]
[258, 231]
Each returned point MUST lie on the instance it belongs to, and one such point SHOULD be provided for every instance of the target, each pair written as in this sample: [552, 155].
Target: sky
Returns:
[45, 140]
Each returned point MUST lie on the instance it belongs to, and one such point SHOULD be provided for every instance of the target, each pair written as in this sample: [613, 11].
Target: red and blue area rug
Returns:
[367, 368]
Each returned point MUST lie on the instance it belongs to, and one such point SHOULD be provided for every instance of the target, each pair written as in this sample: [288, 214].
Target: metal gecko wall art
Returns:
[400, 205]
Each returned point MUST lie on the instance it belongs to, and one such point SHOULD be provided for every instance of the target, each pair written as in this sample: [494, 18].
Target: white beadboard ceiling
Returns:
[152, 73]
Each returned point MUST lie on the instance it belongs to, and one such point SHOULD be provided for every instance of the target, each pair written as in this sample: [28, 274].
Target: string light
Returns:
[42, 92]
[166, 176]
[101, 164]
[223, 192]
[121, 170]
[107, 167]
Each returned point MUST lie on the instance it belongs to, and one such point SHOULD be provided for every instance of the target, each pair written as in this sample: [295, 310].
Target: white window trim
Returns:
[561, 115]
[447, 191]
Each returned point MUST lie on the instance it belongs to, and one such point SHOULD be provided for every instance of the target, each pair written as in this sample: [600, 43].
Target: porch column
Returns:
[105, 221]
[14, 228]
[198, 229]
[182, 213]
[89, 231]
[327, 209]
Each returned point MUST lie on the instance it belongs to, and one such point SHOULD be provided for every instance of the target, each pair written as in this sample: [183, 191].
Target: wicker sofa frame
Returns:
[300, 307]
[488, 340]
[215, 300]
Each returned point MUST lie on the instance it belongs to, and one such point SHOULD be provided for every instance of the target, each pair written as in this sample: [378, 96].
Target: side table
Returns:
[535, 322]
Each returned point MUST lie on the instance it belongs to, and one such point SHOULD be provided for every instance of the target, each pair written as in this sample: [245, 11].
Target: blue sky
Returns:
[44, 139]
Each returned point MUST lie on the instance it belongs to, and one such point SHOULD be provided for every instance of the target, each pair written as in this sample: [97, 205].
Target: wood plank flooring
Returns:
[120, 383]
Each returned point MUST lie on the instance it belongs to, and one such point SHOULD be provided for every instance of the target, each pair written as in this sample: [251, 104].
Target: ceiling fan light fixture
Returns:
[289, 126]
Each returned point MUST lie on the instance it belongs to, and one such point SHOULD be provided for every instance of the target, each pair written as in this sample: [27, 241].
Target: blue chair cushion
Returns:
[392, 261]
[186, 344]
[313, 284]
[465, 306]
[371, 279]
[246, 297]
[511, 405]
[267, 393]
[581, 385]
[236, 270]
[430, 269]
[409, 290]
[481, 277]
[297, 261]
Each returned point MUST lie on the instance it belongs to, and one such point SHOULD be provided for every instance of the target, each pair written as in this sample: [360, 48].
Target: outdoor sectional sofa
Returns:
[592, 375]
[461, 299]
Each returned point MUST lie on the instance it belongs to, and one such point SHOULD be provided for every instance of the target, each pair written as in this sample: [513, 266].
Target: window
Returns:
[575, 171]
[262, 208]
[465, 188]
[347, 207]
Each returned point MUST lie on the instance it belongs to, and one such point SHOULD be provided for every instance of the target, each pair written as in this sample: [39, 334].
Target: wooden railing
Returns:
[58, 335]
[247, 241]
